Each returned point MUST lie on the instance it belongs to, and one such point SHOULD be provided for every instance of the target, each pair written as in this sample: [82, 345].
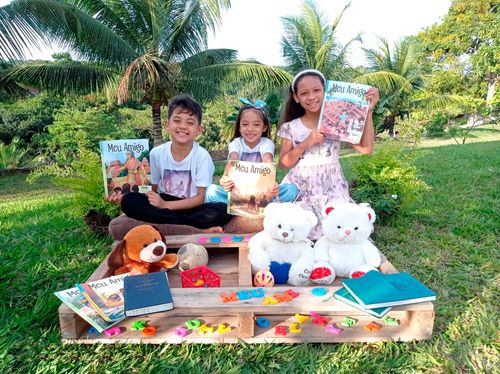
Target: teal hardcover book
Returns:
[377, 290]
[147, 293]
[344, 296]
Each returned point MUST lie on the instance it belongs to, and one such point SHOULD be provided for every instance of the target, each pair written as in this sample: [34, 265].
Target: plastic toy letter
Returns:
[193, 324]
[204, 329]
[223, 328]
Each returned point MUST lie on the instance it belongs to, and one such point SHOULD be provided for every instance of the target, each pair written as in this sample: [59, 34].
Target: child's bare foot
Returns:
[212, 230]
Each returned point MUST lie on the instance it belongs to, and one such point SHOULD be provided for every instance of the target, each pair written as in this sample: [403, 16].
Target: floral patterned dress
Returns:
[318, 174]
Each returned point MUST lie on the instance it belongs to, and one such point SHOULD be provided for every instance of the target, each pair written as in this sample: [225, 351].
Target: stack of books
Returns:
[105, 302]
[376, 293]
[100, 303]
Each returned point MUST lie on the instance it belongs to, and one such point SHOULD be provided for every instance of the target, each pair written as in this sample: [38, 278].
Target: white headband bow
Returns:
[304, 72]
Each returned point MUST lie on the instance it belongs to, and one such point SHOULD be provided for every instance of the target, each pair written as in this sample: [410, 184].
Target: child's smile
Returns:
[251, 127]
[310, 92]
[183, 126]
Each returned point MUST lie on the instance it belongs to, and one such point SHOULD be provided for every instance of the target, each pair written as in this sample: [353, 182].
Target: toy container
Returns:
[201, 276]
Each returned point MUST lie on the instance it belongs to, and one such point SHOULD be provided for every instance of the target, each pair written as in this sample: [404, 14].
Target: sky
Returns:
[254, 27]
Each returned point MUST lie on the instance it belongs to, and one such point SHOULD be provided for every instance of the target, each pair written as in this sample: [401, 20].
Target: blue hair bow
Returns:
[257, 104]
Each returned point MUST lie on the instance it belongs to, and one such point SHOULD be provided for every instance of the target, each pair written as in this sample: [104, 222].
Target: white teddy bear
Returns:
[283, 247]
[344, 250]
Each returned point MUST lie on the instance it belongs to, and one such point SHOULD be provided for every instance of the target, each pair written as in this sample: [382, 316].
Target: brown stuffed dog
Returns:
[142, 250]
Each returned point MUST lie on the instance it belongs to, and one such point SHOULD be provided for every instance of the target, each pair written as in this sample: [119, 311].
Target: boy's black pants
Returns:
[136, 205]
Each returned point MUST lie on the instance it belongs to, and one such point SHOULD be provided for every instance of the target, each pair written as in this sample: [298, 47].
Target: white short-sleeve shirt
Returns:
[255, 154]
[181, 178]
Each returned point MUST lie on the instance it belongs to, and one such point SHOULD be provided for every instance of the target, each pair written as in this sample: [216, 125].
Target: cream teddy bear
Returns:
[345, 250]
[283, 247]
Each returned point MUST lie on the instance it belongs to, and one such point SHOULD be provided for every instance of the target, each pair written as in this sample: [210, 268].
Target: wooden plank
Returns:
[244, 266]
[177, 241]
[246, 323]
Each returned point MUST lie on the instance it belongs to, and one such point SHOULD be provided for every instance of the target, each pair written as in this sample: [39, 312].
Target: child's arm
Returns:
[226, 182]
[289, 155]
[188, 203]
[365, 146]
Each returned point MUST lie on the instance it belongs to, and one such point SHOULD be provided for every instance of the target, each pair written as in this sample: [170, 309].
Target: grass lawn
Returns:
[450, 242]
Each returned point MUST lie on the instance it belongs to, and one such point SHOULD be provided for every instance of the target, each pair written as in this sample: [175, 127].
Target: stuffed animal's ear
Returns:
[369, 211]
[115, 259]
[161, 234]
[327, 209]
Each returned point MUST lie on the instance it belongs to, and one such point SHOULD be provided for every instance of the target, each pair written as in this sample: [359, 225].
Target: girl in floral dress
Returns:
[314, 159]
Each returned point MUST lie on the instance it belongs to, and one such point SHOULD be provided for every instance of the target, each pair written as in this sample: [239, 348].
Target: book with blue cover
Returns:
[377, 290]
[344, 296]
[147, 293]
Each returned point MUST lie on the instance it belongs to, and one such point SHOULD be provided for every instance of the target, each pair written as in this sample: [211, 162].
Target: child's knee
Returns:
[288, 192]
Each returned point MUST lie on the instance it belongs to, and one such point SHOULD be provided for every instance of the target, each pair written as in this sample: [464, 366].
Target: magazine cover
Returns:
[106, 297]
[125, 165]
[344, 110]
[253, 183]
[73, 298]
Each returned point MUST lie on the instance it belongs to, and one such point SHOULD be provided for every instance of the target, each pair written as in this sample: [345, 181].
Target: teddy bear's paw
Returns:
[322, 273]
[360, 271]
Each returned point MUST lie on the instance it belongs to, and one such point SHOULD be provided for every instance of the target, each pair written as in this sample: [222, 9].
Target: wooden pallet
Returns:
[229, 260]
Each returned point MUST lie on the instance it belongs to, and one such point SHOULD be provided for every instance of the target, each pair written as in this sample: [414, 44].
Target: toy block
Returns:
[294, 327]
[301, 318]
[280, 330]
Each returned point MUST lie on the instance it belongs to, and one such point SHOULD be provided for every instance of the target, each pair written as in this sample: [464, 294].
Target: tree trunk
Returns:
[156, 114]
[492, 81]
[390, 121]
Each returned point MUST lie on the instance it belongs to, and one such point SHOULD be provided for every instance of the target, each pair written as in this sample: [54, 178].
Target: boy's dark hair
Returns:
[293, 109]
[263, 114]
[187, 103]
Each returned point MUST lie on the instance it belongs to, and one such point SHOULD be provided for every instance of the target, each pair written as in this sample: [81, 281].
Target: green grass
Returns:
[449, 241]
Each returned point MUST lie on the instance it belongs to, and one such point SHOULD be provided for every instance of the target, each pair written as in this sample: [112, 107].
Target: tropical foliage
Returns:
[148, 49]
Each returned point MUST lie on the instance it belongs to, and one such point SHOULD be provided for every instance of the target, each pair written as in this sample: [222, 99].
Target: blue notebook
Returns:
[377, 290]
[344, 296]
[146, 294]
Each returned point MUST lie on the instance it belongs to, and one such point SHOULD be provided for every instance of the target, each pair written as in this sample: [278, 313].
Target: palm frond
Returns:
[385, 81]
[209, 57]
[430, 102]
[68, 77]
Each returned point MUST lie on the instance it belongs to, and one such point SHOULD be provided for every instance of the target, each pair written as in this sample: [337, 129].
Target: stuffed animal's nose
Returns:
[158, 251]
[347, 231]
[285, 234]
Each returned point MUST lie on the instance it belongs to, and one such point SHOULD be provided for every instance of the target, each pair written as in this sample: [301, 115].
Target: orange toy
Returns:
[142, 250]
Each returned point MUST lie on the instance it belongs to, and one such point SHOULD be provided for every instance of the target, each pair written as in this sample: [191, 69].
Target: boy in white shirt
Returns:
[181, 170]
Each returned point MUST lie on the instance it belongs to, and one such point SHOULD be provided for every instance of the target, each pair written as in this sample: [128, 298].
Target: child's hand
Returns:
[275, 190]
[226, 183]
[315, 137]
[155, 200]
[115, 197]
[373, 96]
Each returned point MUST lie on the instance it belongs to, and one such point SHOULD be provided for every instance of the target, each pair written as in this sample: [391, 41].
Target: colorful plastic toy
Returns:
[372, 326]
[226, 239]
[269, 300]
[348, 322]
[319, 320]
[292, 293]
[319, 291]
[112, 331]
[262, 322]
[181, 332]
[237, 238]
[149, 331]
[263, 278]
[92, 330]
[215, 240]
[257, 292]
[301, 318]
[280, 330]
[204, 329]
[223, 329]
[192, 324]
[294, 327]
[138, 325]
[332, 329]
[391, 321]
[200, 276]
[202, 239]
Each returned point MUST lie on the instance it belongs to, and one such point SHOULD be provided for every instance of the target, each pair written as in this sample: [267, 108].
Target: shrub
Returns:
[83, 177]
[437, 125]
[387, 179]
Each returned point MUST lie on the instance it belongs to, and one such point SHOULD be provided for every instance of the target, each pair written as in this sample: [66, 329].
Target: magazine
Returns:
[253, 184]
[125, 165]
[344, 111]
[106, 297]
[73, 298]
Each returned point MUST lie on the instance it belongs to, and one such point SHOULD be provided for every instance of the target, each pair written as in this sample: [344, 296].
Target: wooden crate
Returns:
[229, 260]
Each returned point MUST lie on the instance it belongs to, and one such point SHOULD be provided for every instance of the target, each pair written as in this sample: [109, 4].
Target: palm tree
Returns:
[310, 42]
[148, 48]
[398, 75]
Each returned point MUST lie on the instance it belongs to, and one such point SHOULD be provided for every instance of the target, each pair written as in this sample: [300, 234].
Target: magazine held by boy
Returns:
[125, 165]
[253, 183]
[344, 111]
